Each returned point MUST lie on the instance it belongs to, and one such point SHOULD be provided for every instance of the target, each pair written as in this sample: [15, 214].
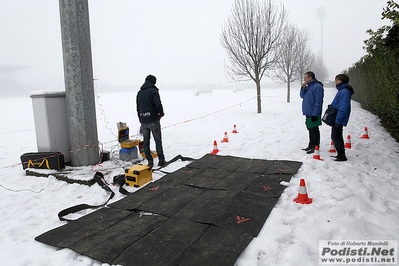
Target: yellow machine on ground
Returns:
[129, 146]
[138, 175]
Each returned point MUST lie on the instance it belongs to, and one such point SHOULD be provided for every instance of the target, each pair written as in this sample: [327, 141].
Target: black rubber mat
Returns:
[218, 246]
[229, 163]
[205, 213]
[246, 213]
[179, 176]
[207, 207]
[109, 244]
[88, 225]
[255, 166]
[236, 181]
[269, 185]
[205, 161]
[207, 178]
[283, 167]
[141, 196]
[163, 245]
[172, 200]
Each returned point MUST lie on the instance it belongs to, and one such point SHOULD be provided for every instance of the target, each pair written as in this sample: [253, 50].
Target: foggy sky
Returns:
[176, 40]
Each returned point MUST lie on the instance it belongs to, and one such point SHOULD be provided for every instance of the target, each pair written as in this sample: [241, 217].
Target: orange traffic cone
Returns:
[348, 144]
[316, 154]
[225, 139]
[303, 194]
[332, 147]
[215, 148]
[365, 134]
[235, 129]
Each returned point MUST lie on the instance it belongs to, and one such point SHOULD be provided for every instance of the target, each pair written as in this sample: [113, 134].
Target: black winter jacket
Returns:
[148, 102]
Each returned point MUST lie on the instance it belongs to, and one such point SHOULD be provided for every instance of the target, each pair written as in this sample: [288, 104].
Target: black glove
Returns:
[314, 118]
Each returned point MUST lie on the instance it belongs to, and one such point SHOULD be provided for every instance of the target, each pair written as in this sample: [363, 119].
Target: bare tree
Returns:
[250, 37]
[288, 57]
[306, 58]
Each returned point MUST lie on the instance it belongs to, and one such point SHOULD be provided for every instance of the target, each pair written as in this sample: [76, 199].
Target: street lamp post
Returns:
[321, 12]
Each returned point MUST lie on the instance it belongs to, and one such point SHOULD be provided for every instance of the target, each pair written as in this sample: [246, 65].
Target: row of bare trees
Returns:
[259, 42]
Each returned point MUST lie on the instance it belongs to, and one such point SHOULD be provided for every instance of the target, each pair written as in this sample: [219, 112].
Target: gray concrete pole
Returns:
[79, 85]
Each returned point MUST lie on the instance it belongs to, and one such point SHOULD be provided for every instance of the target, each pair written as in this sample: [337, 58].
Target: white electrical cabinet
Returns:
[51, 122]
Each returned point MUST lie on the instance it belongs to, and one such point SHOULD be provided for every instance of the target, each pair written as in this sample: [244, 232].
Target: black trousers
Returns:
[337, 137]
[155, 128]
[314, 136]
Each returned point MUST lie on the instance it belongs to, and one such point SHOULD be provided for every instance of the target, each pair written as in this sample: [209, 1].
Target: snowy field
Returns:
[353, 200]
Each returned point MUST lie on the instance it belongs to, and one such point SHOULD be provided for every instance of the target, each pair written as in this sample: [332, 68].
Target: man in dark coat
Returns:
[150, 112]
[312, 93]
[342, 103]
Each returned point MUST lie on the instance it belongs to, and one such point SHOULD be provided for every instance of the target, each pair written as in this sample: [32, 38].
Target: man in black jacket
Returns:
[150, 112]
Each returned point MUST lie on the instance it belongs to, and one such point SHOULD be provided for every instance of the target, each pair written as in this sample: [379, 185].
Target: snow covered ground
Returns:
[353, 200]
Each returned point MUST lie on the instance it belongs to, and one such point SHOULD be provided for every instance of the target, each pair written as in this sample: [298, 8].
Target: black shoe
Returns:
[341, 158]
[311, 150]
[307, 148]
[150, 163]
[161, 162]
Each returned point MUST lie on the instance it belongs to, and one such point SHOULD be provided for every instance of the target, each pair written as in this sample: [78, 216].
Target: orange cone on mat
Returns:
[348, 144]
[225, 139]
[316, 154]
[303, 194]
[215, 148]
[235, 129]
[332, 147]
[365, 134]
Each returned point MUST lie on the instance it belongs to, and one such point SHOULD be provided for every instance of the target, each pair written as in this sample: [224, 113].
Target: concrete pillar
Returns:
[79, 85]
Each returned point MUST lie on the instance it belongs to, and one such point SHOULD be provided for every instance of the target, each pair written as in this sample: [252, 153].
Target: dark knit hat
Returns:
[151, 79]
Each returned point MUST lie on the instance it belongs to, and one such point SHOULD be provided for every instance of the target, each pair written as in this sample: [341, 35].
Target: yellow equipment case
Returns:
[154, 154]
[123, 139]
[138, 175]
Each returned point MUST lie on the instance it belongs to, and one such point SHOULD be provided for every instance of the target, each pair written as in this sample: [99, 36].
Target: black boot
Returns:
[161, 162]
[341, 157]
[311, 150]
[308, 147]
[150, 163]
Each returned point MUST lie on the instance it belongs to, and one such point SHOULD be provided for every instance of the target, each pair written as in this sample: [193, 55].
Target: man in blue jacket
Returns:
[312, 93]
[341, 102]
[150, 112]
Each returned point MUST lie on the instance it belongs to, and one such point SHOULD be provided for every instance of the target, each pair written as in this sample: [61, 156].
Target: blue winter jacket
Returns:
[312, 95]
[342, 102]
